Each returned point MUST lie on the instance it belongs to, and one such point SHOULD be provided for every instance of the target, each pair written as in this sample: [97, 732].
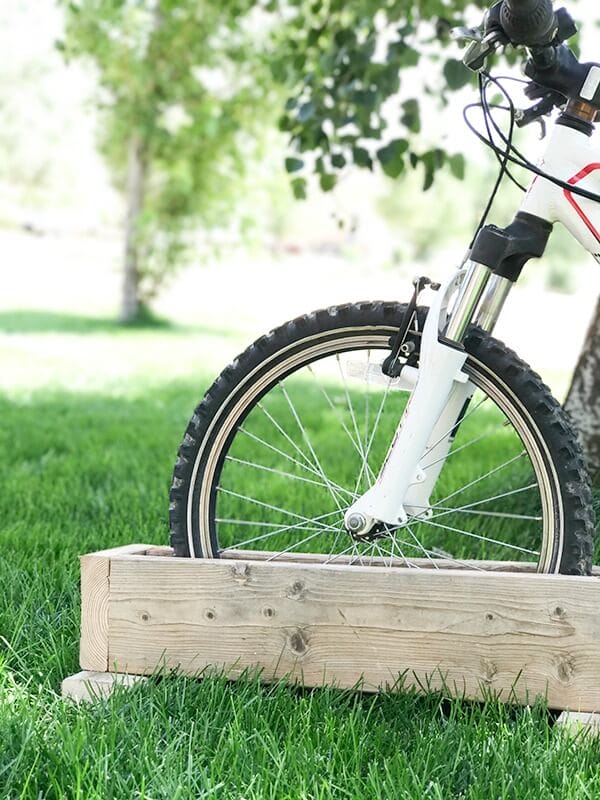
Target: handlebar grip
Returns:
[531, 23]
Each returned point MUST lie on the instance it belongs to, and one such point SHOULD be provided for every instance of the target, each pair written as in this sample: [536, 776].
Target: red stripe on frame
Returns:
[569, 195]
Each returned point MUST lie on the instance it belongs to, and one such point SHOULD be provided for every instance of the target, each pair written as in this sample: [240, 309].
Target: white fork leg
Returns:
[403, 487]
[416, 499]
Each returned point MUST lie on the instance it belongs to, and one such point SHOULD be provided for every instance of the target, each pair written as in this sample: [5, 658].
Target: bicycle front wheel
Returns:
[299, 425]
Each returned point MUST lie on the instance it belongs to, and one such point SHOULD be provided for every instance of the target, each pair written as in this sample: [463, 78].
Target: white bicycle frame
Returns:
[441, 387]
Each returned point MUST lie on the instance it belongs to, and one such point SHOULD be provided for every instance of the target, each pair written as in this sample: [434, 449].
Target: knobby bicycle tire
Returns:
[271, 478]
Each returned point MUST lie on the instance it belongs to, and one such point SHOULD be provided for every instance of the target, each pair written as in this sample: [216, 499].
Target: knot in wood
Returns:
[566, 669]
[210, 613]
[298, 643]
[241, 573]
[297, 591]
[489, 670]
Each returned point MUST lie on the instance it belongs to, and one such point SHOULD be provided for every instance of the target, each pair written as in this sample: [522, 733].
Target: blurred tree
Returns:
[583, 399]
[185, 101]
[186, 93]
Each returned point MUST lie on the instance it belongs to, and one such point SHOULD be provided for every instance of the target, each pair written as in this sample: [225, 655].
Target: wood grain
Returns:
[580, 723]
[89, 686]
[469, 633]
[95, 589]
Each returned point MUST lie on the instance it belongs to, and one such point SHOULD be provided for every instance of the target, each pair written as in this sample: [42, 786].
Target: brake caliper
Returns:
[403, 347]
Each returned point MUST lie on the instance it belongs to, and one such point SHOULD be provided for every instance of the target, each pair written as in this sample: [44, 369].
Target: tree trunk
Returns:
[136, 180]
[583, 399]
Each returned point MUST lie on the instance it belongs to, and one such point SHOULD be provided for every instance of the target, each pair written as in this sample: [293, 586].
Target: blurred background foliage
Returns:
[199, 109]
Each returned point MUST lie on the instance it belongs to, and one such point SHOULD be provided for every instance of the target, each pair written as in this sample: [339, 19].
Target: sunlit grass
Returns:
[86, 464]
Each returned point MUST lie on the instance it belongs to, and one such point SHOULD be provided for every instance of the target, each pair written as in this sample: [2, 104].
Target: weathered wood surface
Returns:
[90, 686]
[580, 723]
[95, 581]
[471, 633]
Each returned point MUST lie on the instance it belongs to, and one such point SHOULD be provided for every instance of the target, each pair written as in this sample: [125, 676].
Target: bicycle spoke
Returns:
[332, 406]
[298, 526]
[353, 417]
[331, 559]
[309, 445]
[498, 513]
[468, 509]
[480, 538]
[462, 447]
[481, 478]
[393, 557]
[420, 546]
[449, 431]
[296, 544]
[312, 471]
[434, 553]
[266, 505]
[374, 431]
[254, 465]
[286, 436]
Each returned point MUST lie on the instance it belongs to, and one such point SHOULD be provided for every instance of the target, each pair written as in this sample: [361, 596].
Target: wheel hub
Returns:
[363, 529]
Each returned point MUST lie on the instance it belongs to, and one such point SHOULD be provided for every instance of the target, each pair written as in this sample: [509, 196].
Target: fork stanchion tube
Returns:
[474, 285]
[492, 302]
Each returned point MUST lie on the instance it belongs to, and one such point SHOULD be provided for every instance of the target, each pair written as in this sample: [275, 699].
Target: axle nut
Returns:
[356, 523]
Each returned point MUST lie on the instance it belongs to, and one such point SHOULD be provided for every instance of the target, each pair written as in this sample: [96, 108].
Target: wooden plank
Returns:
[580, 723]
[420, 563]
[95, 580]
[469, 633]
[89, 686]
[378, 561]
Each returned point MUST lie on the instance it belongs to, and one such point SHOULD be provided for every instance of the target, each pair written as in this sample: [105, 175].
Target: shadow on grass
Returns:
[34, 321]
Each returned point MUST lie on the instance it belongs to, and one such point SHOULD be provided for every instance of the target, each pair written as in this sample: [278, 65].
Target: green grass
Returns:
[86, 453]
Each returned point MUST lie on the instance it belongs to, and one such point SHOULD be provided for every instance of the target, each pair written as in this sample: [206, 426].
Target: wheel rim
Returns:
[273, 481]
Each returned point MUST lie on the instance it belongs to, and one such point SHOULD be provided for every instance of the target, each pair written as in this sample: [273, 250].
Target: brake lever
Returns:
[466, 34]
[544, 107]
[536, 113]
[482, 46]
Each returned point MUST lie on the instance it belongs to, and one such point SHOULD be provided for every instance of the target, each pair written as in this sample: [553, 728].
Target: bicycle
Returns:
[295, 452]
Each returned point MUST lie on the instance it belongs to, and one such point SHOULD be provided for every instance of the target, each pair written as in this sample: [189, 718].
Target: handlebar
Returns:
[531, 23]
[551, 65]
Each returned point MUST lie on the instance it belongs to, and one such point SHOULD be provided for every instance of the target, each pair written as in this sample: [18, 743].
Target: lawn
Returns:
[91, 421]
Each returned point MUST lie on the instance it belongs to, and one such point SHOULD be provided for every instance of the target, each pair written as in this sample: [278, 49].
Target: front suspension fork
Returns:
[437, 404]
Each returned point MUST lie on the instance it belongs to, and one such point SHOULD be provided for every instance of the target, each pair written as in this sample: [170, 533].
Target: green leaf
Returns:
[457, 165]
[285, 123]
[391, 157]
[362, 157]
[327, 181]
[293, 164]
[299, 188]
[429, 176]
[411, 116]
[338, 161]
[456, 74]
[306, 112]
[432, 160]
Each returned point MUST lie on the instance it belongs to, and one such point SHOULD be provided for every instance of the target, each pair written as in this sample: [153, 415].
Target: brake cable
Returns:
[511, 153]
